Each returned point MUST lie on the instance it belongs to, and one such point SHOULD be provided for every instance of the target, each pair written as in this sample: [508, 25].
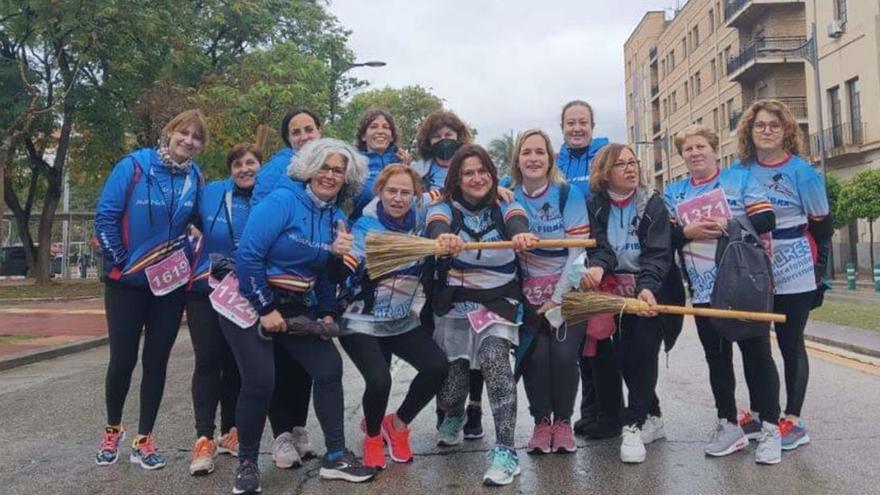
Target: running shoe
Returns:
[503, 466]
[653, 429]
[542, 438]
[247, 478]
[750, 425]
[473, 429]
[449, 433]
[346, 467]
[302, 444]
[228, 443]
[726, 439]
[769, 449]
[374, 452]
[793, 434]
[143, 453]
[632, 449]
[397, 440]
[109, 452]
[203, 454]
[284, 452]
[563, 438]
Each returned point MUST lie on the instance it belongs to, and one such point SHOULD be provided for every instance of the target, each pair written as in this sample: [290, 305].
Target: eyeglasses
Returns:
[404, 194]
[328, 170]
[773, 127]
[622, 165]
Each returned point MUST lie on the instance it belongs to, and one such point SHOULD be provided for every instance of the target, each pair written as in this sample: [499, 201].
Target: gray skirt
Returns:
[459, 341]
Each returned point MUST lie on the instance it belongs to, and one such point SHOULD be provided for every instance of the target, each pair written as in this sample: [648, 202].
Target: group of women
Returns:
[274, 269]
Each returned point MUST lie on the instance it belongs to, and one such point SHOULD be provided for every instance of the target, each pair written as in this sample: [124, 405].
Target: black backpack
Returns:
[743, 281]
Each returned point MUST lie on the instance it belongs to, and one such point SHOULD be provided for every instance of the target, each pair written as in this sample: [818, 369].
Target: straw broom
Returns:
[580, 306]
[388, 251]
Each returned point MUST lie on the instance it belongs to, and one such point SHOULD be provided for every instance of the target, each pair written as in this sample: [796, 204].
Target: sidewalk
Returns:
[858, 340]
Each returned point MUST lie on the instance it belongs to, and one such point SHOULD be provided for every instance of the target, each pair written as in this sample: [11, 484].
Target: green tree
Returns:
[408, 105]
[860, 198]
[501, 151]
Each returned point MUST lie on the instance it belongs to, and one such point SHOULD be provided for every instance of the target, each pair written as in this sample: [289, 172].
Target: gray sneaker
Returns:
[769, 449]
[726, 439]
[653, 429]
[301, 443]
[450, 433]
[284, 452]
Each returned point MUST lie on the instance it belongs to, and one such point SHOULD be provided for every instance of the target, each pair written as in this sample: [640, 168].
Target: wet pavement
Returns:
[52, 413]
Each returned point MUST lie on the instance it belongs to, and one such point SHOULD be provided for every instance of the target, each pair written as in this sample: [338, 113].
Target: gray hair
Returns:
[311, 157]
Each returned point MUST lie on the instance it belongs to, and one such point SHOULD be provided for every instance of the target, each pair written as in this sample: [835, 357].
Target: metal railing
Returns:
[838, 139]
[797, 104]
[762, 48]
[733, 119]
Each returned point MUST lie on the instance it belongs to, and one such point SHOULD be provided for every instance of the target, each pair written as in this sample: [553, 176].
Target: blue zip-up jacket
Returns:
[377, 163]
[270, 173]
[142, 215]
[577, 170]
[285, 246]
[224, 212]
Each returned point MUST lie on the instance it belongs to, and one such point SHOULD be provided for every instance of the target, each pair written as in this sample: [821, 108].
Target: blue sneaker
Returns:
[750, 425]
[793, 434]
[247, 478]
[503, 466]
[143, 453]
[450, 431]
[109, 452]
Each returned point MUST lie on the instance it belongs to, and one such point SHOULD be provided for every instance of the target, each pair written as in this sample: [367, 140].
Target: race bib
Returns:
[621, 284]
[169, 274]
[226, 301]
[538, 290]
[482, 319]
[708, 205]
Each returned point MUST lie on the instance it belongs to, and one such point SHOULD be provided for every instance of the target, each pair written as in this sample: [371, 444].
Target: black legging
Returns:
[551, 373]
[589, 402]
[790, 337]
[256, 364]
[215, 377]
[290, 404]
[760, 370]
[129, 311]
[372, 356]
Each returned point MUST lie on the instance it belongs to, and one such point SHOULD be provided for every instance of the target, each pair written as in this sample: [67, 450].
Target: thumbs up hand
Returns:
[343, 242]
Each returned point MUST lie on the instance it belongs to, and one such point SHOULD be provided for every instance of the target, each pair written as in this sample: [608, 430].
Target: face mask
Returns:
[445, 148]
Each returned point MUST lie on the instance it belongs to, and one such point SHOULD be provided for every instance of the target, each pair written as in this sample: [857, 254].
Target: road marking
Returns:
[27, 311]
[845, 361]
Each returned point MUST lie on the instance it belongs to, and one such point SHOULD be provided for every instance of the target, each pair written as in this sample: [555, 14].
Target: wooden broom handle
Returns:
[542, 243]
[719, 313]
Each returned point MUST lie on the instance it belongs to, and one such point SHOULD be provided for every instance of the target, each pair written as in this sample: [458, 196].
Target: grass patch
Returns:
[15, 339]
[860, 315]
[61, 290]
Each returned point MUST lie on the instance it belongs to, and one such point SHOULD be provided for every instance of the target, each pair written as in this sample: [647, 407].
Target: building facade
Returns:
[713, 58]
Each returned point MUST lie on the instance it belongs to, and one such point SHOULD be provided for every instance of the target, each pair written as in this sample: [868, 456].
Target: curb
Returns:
[843, 345]
[53, 352]
[17, 300]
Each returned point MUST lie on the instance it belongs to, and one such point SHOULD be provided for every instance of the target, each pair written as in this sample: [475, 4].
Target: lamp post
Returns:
[337, 74]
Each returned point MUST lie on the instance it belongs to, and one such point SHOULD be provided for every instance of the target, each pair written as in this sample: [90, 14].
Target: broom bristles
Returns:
[388, 251]
[581, 306]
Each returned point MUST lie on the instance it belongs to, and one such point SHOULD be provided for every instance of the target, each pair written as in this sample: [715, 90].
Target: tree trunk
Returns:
[871, 244]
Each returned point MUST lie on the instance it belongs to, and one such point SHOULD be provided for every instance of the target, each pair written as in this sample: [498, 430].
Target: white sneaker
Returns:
[301, 443]
[653, 429]
[284, 453]
[769, 449]
[632, 449]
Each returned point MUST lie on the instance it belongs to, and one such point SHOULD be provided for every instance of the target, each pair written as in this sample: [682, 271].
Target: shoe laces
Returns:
[451, 424]
[504, 459]
[146, 446]
[230, 438]
[745, 417]
[111, 439]
[785, 426]
[204, 448]
[247, 469]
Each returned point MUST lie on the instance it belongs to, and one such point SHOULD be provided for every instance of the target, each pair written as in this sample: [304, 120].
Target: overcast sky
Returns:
[501, 64]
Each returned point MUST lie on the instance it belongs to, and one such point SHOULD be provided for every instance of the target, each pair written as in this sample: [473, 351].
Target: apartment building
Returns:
[713, 58]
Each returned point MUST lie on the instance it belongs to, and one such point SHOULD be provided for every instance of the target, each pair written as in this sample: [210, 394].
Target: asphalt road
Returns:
[51, 415]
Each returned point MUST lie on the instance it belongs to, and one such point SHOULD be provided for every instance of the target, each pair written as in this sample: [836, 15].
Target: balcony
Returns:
[656, 128]
[733, 119]
[762, 54]
[741, 13]
[797, 105]
[842, 139]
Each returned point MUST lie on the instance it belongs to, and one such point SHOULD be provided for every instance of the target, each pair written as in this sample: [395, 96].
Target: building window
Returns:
[715, 119]
[696, 40]
[711, 21]
[684, 48]
[854, 94]
[698, 84]
[714, 70]
[836, 120]
[840, 10]
[725, 58]
[673, 101]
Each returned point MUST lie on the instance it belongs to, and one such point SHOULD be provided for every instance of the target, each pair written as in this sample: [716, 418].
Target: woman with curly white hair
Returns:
[291, 239]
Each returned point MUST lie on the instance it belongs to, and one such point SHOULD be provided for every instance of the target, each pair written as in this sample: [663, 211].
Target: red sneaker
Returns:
[374, 452]
[398, 440]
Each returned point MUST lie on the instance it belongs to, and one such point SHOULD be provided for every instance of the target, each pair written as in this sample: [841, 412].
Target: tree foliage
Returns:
[501, 151]
[860, 199]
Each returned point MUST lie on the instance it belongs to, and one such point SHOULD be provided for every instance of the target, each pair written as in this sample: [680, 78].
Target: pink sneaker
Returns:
[563, 437]
[541, 438]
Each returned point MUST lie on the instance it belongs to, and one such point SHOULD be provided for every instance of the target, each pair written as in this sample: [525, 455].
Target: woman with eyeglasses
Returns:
[769, 144]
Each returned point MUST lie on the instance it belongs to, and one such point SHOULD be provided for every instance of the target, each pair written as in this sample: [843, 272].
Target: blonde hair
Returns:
[600, 167]
[395, 169]
[554, 176]
[793, 142]
[185, 119]
[696, 130]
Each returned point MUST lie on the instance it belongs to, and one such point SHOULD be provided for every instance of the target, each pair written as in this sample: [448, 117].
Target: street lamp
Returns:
[334, 81]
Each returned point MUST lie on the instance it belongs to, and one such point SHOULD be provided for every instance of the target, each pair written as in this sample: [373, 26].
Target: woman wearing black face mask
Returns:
[439, 137]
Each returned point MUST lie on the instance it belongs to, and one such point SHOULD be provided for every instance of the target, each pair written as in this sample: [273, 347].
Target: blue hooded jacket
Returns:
[270, 173]
[377, 162]
[285, 246]
[224, 212]
[577, 170]
[142, 215]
